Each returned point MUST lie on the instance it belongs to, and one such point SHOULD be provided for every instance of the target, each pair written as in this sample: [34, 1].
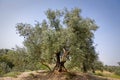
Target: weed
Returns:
[12, 74]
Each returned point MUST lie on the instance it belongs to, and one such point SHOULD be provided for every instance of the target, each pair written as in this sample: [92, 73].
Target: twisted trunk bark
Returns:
[59, 67]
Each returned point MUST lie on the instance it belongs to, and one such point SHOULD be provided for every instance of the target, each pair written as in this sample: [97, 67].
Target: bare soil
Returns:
[45, 75]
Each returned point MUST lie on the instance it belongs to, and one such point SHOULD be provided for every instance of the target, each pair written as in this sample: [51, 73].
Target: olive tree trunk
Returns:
[60, 61]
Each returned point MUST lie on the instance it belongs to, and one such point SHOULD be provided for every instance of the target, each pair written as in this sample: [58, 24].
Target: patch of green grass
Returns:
[108, 74]
[27, 70]
[12, 74]
[99, 74]
[115, 76]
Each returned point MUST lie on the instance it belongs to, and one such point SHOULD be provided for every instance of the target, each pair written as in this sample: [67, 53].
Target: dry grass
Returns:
[108, 75]
[44, 75]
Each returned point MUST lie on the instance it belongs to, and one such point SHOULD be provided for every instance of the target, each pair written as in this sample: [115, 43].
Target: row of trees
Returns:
[113, 69]
[17, 60]
[64, 37]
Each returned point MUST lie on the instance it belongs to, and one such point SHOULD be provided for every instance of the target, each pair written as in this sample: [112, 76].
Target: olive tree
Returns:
[64, 34]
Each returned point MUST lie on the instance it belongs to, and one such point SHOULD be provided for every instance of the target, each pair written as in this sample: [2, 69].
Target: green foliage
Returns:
[117, 70]
[99, 74]
[107, 74]
[114, 69]
[62, 29]
[5, 59]
[115, 76]
[17, 60]
[4, 68]
[3, 51]
[5, 64]
[12, 74]
[98, 65]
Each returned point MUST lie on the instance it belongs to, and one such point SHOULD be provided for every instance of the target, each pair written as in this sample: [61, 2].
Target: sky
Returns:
[106, 14]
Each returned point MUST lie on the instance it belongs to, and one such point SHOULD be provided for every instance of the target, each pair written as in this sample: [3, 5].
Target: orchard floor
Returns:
[45, 75]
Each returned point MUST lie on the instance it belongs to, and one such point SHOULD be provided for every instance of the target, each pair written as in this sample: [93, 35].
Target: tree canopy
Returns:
[64, 35]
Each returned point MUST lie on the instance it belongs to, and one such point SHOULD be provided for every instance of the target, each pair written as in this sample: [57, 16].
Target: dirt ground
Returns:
[44, 75]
